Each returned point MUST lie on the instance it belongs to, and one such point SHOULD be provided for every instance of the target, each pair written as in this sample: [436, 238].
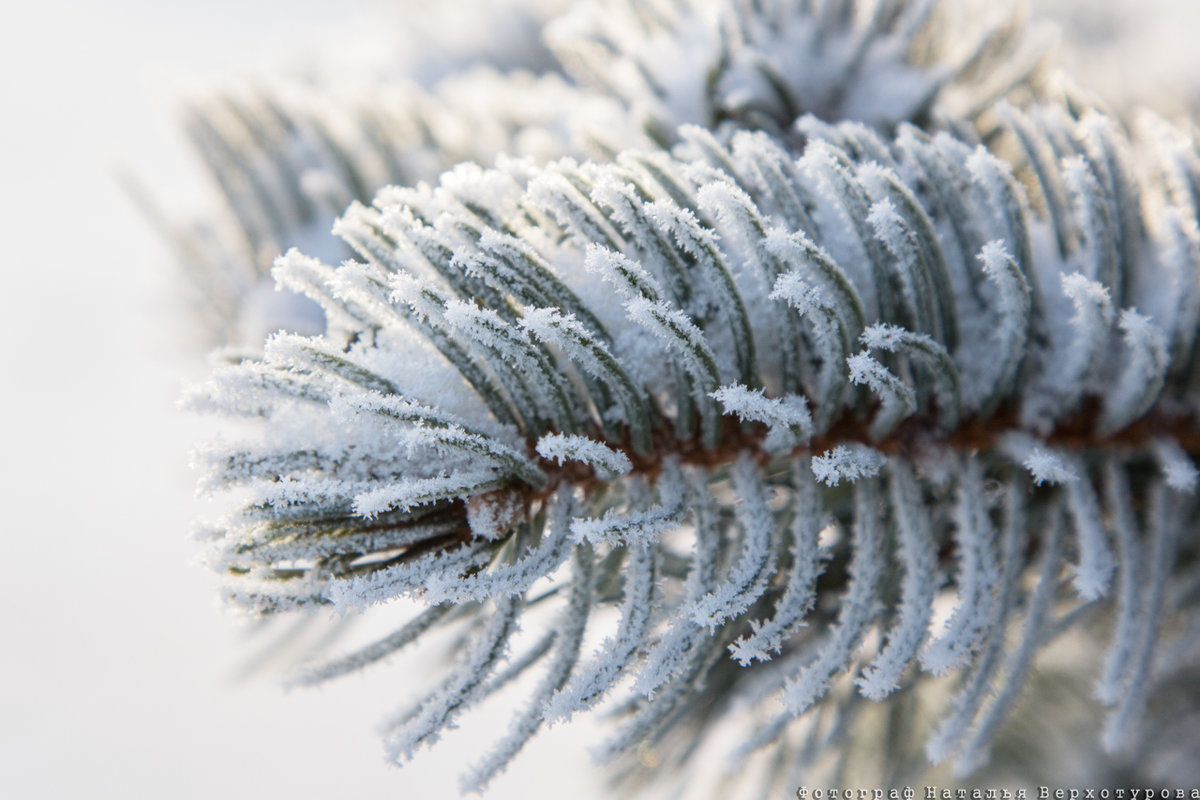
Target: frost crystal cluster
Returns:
[796, 369]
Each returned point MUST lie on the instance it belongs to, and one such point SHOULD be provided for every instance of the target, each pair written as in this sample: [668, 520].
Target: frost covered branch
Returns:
[820, 340]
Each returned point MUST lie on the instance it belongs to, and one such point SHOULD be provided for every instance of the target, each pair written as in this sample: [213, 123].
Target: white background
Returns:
[119, 673]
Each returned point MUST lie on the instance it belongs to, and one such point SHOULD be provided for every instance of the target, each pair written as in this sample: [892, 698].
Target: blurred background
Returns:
[119, 674]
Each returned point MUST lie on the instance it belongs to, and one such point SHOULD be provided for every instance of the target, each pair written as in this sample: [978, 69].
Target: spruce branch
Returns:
[649, 365]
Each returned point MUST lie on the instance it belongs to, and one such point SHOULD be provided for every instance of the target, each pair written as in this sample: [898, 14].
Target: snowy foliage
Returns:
[825, 375]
